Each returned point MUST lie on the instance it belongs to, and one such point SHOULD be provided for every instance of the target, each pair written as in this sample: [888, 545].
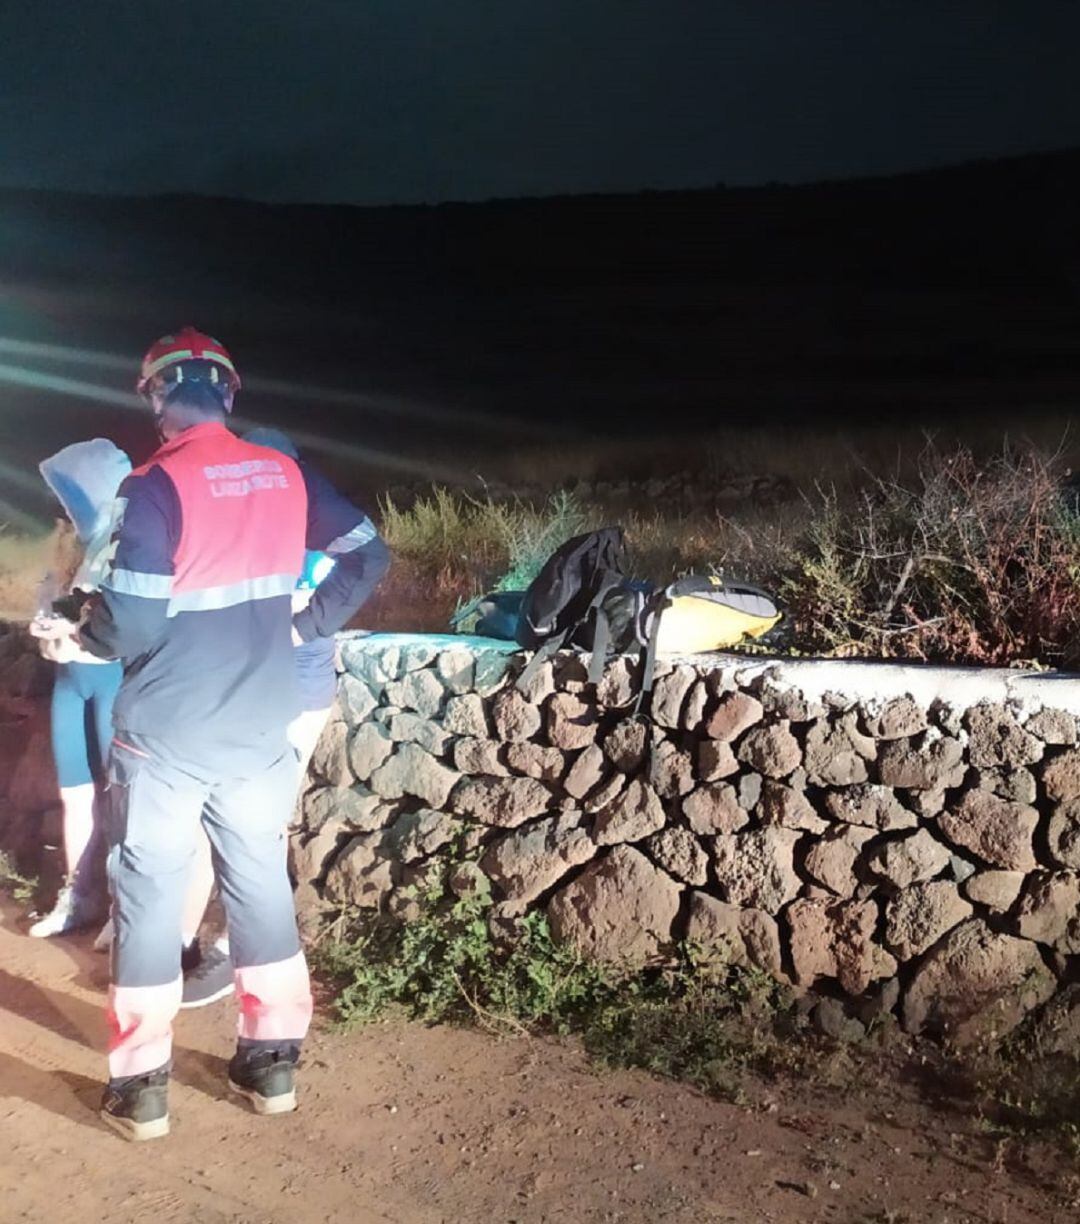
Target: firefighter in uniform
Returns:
[210, 541]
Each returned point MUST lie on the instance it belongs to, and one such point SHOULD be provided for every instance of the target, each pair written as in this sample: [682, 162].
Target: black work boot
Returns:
[138, 1107]
[265, 1078]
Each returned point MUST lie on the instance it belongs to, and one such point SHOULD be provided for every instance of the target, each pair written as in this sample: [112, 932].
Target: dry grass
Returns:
[970, 562]
[449, 547]
[959, 559]
[24, 561]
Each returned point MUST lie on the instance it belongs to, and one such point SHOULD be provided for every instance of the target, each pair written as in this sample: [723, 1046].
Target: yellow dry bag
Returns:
[701, 614]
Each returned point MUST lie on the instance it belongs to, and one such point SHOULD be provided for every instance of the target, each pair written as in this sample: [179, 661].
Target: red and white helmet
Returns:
[187, 344]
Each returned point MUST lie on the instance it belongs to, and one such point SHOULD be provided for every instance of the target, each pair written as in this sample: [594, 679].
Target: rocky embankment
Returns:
[915, 848]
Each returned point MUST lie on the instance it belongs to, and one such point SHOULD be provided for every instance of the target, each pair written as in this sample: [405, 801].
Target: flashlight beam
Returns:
[31, 350]
[403, 407]
[20, 377]
[11, 516]
[368, 456]
[398, 406]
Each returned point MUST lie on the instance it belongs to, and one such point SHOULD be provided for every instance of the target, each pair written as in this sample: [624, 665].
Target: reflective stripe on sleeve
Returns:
[352, 540]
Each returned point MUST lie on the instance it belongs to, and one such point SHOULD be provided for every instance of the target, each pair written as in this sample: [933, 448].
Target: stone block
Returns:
[621, 909]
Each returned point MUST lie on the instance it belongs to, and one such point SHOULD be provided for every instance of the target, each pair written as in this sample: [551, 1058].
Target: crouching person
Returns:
[198, 606]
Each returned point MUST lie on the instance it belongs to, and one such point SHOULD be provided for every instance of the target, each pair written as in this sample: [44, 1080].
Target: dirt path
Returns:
[401, 1123]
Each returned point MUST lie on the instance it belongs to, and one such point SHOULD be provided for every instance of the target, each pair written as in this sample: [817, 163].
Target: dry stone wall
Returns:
[901, 839]
[892, 839]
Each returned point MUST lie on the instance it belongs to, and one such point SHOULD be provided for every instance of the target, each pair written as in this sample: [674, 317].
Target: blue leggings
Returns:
[82, 705]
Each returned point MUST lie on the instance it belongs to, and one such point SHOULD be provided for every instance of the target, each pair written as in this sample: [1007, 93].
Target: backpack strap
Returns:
[648, 666]
[601, 625]
[543, 652]
[747, 588]
[601, 642]
[601, 635]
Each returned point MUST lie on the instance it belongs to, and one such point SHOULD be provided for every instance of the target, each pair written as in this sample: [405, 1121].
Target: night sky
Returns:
[378, 101]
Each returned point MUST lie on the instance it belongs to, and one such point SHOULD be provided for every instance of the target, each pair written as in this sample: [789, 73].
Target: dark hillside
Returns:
[930, 296]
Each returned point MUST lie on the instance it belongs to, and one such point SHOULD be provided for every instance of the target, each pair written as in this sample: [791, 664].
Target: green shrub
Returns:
[499, 544]
[19, 887]
[449, 548]
[705, 1025]
[701, 1024]
[533, 535]
[445, 965]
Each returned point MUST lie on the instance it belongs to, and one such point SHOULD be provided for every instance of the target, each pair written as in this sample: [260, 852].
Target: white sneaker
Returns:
[70, 913]
[103, 942]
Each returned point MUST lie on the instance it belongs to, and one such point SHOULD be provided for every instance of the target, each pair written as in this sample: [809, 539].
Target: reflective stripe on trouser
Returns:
[275, 1000]
[156, 803]
[140, 1025]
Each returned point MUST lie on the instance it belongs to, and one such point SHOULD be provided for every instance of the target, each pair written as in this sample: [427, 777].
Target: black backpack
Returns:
[582, 597]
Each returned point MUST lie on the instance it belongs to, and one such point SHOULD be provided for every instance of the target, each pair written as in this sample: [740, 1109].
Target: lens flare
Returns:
[30, 350]
[18, 376]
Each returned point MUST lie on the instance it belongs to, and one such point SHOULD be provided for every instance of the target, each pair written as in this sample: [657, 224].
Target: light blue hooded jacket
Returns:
[85, 478]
